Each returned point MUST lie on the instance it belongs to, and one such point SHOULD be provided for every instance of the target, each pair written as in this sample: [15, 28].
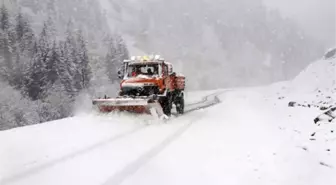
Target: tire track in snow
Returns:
[204, 103]
[198, 105]
[119, 177]
[39, 168]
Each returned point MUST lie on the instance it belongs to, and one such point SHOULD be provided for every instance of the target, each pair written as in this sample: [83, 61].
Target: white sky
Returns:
[316, 16]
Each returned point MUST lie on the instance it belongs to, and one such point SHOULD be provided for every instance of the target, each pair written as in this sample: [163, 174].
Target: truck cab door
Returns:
[168, 78]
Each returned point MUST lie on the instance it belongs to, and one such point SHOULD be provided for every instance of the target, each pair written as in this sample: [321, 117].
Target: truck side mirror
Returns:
[173, 74]
[119, 74]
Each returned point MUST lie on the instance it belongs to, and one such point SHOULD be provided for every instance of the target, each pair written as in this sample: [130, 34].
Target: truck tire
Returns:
[179, 103]
[166, 104]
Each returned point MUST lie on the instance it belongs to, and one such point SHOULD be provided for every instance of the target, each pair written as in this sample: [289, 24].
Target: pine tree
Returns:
[117, 53]
[52, 74]
[59, 100]
[4, 18]
[83, 68]
[43, 68]
[64, 68]
[122, 51]
[74, 63]
[70, 61]
[20, 29]
[6, 45]
[51, 9]
[24, 38]
[52, 32]
[111, 61]
[45, 46]
[37, 81]
[14, 113]
[24, 33]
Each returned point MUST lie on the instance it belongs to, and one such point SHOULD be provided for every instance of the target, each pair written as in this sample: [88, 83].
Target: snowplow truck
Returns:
[148, 85]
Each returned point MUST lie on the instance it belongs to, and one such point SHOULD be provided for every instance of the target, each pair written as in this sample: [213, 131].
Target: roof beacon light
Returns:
[157, 57]
[145, 58]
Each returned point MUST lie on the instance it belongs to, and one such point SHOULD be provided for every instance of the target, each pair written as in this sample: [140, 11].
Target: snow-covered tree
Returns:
[43, 71]
[6, 45]
[56, 105]
[64, 68]
[15, 110]
[24, 39]
[4, 18]
[83, 71]
[36, 84]
[46, 72]
[117, 53]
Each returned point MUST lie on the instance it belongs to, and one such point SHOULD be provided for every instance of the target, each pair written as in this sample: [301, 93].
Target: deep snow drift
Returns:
[251, 137]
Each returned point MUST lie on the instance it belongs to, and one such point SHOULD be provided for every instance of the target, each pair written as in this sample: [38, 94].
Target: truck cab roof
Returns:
[140, 60]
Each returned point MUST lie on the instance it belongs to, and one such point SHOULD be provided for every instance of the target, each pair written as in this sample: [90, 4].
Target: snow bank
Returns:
[320, 75]
[315, 85]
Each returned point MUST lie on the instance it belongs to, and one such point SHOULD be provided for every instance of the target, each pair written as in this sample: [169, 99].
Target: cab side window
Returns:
[170, 69]
[165, 70]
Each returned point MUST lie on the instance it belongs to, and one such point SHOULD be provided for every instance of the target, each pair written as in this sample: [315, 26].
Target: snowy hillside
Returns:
[214, 33]
[315, 85]
[204, 33]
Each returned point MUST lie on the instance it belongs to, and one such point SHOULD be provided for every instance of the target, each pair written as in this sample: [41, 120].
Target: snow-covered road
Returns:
[242, 136]
[127, 147]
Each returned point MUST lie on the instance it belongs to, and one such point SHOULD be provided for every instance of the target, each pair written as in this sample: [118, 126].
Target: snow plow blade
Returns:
[137, 106]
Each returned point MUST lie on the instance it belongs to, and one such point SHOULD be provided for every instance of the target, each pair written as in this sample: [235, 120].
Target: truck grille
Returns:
[139, 91]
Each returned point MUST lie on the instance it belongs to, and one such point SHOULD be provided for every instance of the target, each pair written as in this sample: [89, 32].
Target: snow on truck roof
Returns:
[146, 59]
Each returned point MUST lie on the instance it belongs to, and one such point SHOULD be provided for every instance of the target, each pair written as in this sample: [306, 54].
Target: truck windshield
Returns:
[143, 69]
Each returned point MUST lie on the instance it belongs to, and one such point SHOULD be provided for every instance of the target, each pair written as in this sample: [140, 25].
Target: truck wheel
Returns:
[179, 102]
[166, 105]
